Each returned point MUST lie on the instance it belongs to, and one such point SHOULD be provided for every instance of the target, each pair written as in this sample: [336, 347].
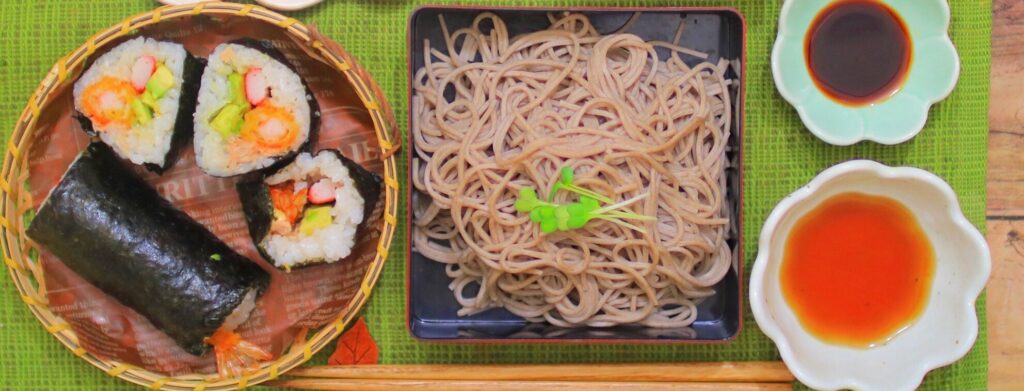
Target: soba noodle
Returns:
[492, 114]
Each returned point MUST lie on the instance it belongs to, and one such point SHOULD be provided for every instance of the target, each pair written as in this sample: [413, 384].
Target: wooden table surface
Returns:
[1006, 197]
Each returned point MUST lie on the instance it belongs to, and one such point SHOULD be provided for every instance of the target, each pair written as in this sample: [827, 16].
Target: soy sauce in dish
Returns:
[858, 51]
[857, 270]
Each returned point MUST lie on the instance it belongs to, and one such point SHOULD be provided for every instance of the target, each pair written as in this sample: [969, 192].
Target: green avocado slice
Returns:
[142, 114]
[228, 122]
[315, 218]
[161, 81]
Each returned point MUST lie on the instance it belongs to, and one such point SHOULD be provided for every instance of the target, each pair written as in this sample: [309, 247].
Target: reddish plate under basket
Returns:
[432, 308]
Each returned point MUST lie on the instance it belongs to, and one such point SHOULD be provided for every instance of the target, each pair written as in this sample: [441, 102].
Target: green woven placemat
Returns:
[780, 157]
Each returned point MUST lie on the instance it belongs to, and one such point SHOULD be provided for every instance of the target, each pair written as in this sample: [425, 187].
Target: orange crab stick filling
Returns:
[106, 102]
[271, 128]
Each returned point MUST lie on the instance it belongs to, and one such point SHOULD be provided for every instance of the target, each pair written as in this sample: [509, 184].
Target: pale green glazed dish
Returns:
[934, 69]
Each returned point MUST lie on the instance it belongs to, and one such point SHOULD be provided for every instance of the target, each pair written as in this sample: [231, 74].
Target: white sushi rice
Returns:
[328, 244]
[286, 91]
[142, 143]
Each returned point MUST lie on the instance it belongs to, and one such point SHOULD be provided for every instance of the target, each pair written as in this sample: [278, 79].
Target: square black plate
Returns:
[430, 304]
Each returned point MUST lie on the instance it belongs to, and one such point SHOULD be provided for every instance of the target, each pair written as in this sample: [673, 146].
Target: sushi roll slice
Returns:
[310, 211]
[253, 111]
[139, 98]
[115, 231]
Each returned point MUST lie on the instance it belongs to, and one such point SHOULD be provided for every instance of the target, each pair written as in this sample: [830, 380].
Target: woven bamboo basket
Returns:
[16, 200]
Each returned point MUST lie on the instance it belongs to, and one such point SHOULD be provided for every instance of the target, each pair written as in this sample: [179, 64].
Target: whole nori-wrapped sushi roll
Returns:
[139, 98]
[310, 211]
[254, 111]
[110, 227]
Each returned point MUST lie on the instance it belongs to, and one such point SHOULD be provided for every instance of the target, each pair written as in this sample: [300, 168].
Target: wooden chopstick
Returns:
[506, 385]
[742, 371]
[711, 376]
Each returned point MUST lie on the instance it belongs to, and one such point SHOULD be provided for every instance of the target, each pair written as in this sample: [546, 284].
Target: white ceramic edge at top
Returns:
[765, 319]
[288, 5]
[867, 136]
[280, 5]
[183, 2]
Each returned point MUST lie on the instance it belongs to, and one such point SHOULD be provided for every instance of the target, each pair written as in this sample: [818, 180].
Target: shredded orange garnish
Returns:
[290, 202]
[107, 101]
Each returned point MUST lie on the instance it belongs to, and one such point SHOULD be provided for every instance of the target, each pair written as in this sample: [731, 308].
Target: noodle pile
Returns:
[492, 114]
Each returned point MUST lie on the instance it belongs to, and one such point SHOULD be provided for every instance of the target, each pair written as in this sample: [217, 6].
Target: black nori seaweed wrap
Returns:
[183, 123]
[113, 229]
[259, 211]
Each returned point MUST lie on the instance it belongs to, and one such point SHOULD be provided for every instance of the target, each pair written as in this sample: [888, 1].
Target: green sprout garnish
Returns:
[528, 200]
[565, 217]
[215, 257]
[565, 182]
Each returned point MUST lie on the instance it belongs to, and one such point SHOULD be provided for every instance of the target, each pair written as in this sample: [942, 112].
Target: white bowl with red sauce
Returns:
[866, 277]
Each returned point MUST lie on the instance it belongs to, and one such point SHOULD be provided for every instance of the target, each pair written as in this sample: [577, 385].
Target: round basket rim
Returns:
[15, 201]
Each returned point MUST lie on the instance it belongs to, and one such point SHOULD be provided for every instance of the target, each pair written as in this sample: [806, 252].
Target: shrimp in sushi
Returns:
[253, 111]
[310, 211]
[138, 98]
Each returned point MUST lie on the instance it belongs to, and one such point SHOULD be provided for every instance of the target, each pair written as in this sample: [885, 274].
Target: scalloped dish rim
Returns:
[917, 367]
[828, 136]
